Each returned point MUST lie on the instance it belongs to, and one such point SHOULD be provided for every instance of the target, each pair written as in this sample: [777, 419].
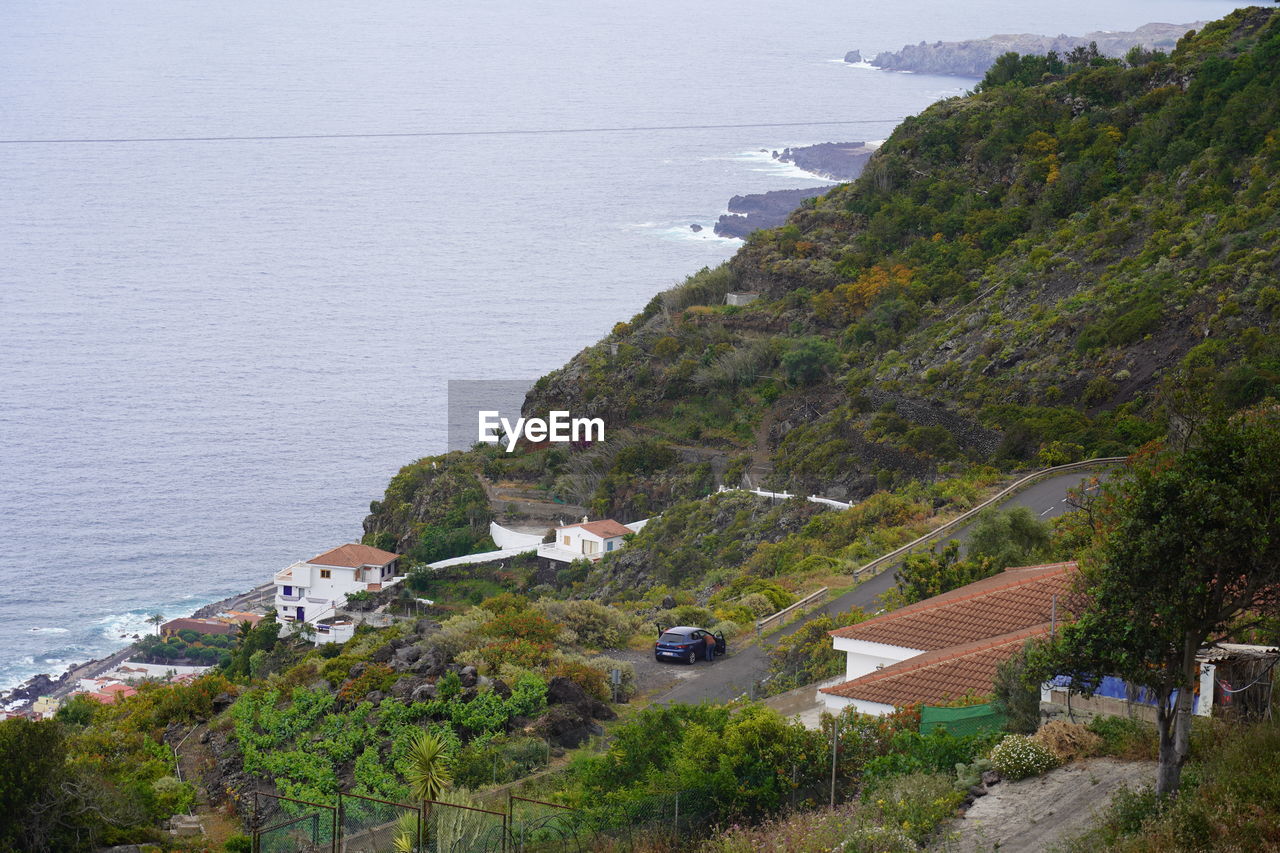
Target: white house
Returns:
[312, 591]
[589, 540]
[940, 647]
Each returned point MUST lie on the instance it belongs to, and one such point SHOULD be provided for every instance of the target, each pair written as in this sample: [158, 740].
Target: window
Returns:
[566, 539]
[288, 591]
[589, 547]
[325, 574]
[608, 546]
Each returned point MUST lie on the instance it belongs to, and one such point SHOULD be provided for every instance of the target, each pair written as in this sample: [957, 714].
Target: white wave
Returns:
[40, 629]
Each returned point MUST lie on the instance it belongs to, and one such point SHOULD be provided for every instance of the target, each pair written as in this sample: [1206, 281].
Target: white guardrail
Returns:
[881, 562]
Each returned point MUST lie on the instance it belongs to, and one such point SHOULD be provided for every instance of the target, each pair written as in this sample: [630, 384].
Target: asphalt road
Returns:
[737, 673]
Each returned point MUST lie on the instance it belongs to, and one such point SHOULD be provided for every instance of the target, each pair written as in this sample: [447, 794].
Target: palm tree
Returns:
[156, 619]
[428, 776]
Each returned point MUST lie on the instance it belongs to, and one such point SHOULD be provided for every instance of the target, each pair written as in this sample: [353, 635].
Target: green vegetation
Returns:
[97, 774]
[1229, 800]
[1206, 518]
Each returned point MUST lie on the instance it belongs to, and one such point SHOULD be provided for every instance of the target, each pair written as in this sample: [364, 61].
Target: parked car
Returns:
[686, 643]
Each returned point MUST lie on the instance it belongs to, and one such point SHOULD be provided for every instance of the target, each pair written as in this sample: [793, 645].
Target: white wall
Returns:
[863, 657]
[836, 704]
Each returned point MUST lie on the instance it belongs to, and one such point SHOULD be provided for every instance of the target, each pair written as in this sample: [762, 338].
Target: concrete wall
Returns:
[863, 657]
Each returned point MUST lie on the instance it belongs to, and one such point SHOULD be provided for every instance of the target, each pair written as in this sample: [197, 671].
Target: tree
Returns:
[1186, 553]
[810, 361]
[1012, 537]
[156, 619]
[929, 573]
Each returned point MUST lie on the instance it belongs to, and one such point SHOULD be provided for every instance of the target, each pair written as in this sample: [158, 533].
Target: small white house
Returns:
[311, 591]
[589, 540]
[947, 644]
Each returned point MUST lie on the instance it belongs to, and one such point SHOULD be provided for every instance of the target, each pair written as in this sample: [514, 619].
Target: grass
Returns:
[1229, 801]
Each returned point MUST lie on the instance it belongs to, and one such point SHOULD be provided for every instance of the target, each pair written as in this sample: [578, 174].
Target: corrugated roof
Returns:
[939, 676]
[354, 556]
[1010, 601]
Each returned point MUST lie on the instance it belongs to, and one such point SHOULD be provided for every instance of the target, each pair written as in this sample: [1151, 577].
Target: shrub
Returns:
[517, 652]
[238, 844]
[1018, 756]
[1067, 741]
[917, 802]
[595, 625]
[593, 680]
[530, 626]
[1124, 738]
[376, 676]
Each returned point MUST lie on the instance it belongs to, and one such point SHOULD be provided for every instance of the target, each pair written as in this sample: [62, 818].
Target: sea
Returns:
[245, 245]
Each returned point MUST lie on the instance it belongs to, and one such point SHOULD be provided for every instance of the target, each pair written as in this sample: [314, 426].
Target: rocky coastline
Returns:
[972, 58]
[835, 161]
[22, 697]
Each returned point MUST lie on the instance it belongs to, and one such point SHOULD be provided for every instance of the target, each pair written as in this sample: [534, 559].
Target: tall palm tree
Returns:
[156, 619]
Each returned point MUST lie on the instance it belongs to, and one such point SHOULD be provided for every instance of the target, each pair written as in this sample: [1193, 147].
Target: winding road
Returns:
[737, 674]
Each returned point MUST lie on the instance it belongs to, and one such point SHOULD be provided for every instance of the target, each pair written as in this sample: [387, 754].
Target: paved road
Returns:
[732, 676]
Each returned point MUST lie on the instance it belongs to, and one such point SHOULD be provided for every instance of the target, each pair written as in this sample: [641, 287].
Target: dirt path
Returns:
[1035, 814]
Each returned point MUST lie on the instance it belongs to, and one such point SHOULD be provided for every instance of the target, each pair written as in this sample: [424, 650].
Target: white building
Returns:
[940, 648]
[314, 590]
[588, 540]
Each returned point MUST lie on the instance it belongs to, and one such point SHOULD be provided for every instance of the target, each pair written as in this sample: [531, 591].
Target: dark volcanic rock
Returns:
[839, 161]
[566, 726]
[695, 228]
[853, 56]
[468, 676]
[749, 213]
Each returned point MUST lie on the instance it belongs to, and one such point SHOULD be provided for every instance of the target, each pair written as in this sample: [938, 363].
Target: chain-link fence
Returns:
[460, 828]
[369, 825]
[285, 825]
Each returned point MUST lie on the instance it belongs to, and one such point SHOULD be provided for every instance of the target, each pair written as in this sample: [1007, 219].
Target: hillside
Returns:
[1066, 263]
[1070, 262]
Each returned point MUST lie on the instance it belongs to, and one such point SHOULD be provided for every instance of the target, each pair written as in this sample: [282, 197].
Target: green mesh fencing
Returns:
[971, 720]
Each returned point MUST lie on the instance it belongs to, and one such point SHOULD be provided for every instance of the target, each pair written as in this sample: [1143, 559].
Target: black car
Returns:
[686, 643]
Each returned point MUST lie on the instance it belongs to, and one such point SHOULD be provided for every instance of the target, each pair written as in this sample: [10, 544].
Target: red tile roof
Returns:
[353, 557]
[605, 529]
[939, 676]
[1010, 601]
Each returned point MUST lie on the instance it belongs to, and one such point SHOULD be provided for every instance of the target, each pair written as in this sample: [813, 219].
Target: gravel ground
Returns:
[1035, 814]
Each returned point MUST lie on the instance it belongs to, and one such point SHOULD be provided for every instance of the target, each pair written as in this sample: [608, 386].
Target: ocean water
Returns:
[216, 353]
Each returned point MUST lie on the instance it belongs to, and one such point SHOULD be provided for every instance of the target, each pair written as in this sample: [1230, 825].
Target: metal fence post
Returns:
[677, 820]
[835, 728]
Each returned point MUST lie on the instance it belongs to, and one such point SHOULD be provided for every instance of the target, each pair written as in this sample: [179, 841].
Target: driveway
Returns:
[737, 674]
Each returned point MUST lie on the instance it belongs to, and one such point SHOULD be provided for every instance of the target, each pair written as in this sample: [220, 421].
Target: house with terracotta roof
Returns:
[589, 540]
[313, 591]
[947, 646]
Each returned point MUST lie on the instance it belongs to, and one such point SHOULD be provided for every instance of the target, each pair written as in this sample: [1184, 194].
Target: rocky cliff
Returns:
[973, 58]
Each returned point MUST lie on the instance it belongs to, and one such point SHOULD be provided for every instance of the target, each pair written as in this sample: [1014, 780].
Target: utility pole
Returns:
[835, 730]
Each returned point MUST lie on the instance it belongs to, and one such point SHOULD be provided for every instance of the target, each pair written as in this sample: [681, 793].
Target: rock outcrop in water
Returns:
[749, 213]
[973, 58]
[838, 161]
